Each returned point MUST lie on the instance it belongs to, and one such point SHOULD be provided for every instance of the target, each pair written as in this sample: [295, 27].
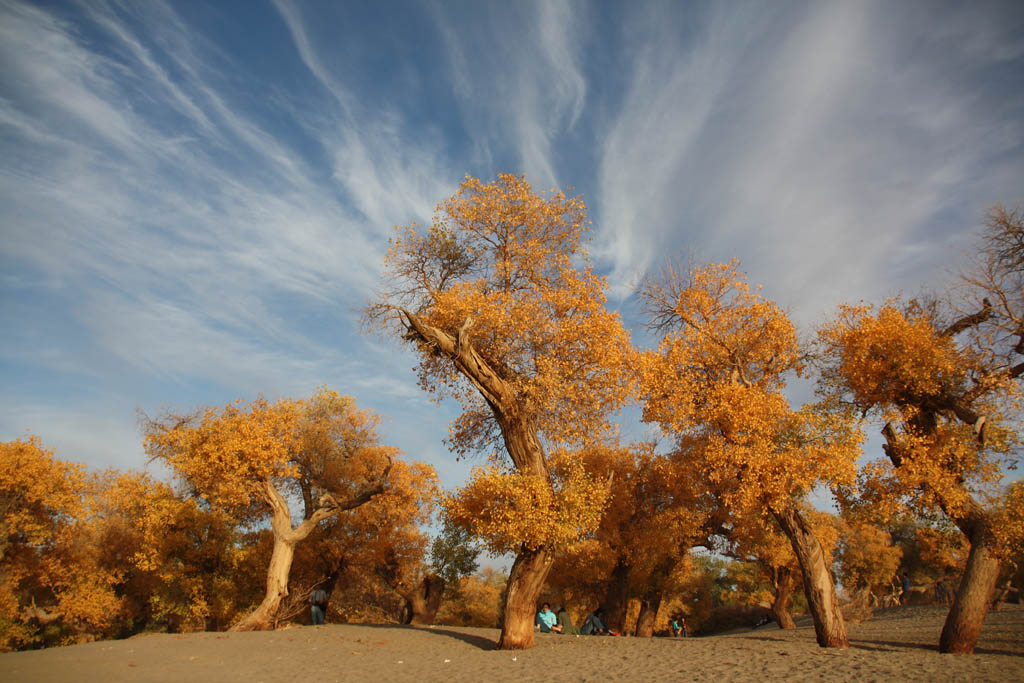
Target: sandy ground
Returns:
[897, 644]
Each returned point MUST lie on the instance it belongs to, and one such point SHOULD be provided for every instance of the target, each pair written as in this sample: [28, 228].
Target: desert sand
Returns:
[897, 644]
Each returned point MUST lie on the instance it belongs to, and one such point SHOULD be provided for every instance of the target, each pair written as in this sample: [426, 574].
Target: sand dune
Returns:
[898, 644]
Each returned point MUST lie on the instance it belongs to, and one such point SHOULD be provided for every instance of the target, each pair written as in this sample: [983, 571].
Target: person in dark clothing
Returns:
[594, 624]
[318, 606]
[565, 621]
[905, 595]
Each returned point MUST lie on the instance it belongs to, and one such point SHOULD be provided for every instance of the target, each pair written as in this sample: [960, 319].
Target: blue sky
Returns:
[196, 197]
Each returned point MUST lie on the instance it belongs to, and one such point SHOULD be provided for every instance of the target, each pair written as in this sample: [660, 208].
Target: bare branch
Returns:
[968, 321]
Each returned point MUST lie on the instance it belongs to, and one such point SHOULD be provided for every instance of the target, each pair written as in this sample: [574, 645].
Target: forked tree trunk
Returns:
[974, 595]
[285, 540]
[525, 581]
[829, 628]
[616, 599]
[785, 583]
[423, 601]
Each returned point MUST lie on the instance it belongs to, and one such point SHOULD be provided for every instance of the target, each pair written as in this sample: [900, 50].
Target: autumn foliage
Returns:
[274, 499]
[507, 317]
[716, 383]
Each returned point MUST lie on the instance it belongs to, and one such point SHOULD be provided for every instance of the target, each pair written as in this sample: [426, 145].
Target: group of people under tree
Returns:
[561, 622]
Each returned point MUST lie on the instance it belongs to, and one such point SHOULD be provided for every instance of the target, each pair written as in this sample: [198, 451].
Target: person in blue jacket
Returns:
[546, 620]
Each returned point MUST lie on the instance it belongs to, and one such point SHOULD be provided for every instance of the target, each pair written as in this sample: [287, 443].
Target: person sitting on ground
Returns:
[594, 625]
[565, 621]
[546, 620]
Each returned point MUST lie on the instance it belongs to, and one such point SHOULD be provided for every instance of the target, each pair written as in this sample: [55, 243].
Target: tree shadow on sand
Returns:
[895, 645]
[477, 641]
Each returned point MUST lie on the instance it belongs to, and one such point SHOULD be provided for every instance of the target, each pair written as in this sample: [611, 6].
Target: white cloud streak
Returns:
[819, 144]
[189, 227]
[525, 76]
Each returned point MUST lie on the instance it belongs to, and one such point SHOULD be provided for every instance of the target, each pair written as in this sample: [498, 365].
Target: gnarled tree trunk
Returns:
[525, 581]
[531, 567]
[285, 540]
[785, 583]
[974, 595]
[423, 600]
[262, 618]
[820, 589]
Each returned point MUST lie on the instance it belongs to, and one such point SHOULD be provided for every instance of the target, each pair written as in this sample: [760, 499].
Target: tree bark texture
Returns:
[616, 600]
[974, 595]
[423, 601]
[785, 583]
[262, 618]
[820, 589]
[525, 581]
[649, 605]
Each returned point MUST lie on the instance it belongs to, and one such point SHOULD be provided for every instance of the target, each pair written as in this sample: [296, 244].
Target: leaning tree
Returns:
[716, 383]
[499, 302]
[945, 379]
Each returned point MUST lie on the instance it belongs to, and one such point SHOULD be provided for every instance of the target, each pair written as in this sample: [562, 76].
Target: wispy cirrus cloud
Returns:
[189, 227]
[830, 146]
[194, 201]
[520, 82]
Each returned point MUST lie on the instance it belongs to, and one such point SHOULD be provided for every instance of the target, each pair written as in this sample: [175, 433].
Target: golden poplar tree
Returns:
[716, 383]
[945, 381]
[381, 541]
[247, 456]
[868, 560]
[761, 542]
[40, 497]
[507, 317]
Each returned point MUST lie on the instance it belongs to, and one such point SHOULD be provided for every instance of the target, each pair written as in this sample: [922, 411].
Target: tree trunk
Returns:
[531, 567]
[525, 581]
[829, 628]
[285, 540]
[422, 603]
[262, 618]
[973, 597]
[616, 599]
[649, 606]
[784, 585]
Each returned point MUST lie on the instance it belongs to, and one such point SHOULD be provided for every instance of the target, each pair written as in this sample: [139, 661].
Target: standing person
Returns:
[905, 583]
[676, 628]
[686, 630]
[546, 620]
[318, 602]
